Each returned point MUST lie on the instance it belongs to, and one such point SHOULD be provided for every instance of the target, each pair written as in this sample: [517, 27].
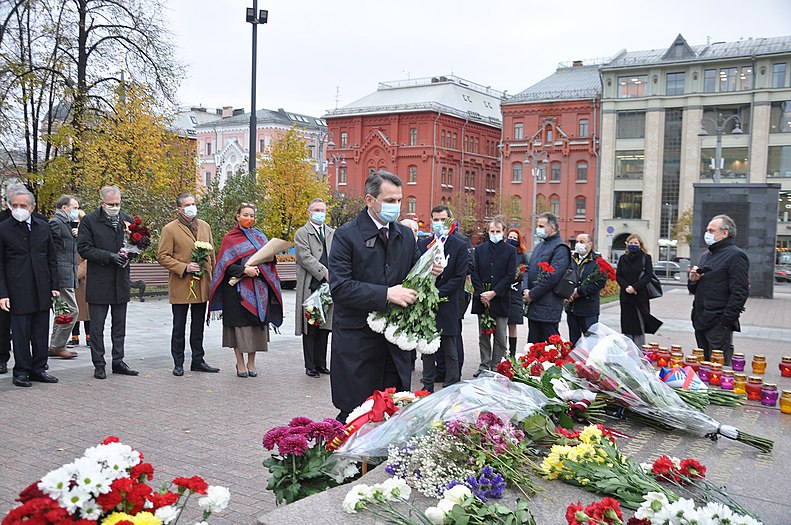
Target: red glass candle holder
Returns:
[753, 388]
[785, 366]
[715, 374]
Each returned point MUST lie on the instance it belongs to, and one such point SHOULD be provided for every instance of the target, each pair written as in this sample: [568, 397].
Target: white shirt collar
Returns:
[318, 227]
[378, 224]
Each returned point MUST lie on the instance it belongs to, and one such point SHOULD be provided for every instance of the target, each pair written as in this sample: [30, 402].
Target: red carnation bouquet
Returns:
[62, 311]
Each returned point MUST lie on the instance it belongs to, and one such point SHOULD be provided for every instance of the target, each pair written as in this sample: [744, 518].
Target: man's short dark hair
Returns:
[440, 208]
[552, 220]
[180, 198]
[64, 200]
[373, 184]
[728, 225]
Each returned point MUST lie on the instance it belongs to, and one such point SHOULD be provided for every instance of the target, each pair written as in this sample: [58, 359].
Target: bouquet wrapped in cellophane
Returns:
[609, 362]
[317, 305]
[415, 327]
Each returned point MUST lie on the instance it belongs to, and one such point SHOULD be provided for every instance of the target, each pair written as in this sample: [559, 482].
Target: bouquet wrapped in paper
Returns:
[609, 362]
[317, 305]
[415, 327]
[265, 254]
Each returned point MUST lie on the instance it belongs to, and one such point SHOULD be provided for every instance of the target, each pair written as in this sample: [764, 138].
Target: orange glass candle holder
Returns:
[662, 357]
[715, 374]
[676, 359]
[753, 388]
[785, 402]
[717, 357]
[785, 366]
[739, 383]
[698, 352]
[759, 364]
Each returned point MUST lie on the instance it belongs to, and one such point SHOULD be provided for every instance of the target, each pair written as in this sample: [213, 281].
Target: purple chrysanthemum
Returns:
[300, 421]
[295, 444]
[272, 437]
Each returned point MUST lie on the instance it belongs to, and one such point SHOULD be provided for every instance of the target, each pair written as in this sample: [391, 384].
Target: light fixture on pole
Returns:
[337, 160]
[534, 158]
[252, 19]
[719, 125]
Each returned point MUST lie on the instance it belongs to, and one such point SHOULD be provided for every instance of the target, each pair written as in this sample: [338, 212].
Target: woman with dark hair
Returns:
[633, 273]
[249, 306]
[517, 306]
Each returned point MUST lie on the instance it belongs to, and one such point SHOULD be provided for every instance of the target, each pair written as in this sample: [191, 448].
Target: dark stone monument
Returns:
[753, 207]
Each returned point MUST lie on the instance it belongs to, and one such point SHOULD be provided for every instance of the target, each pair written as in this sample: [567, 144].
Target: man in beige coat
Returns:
[187, 290]
[313, 242]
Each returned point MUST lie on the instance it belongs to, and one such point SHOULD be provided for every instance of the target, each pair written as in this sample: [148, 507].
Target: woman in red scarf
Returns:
[255, 301]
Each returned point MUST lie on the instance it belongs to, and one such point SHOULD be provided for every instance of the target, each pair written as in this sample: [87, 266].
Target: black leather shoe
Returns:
[99, 373]
[3, 368]
[240, 374]
[123, 369]
[203, 367]
[477, 373]
[43, 377]
[178, 370]
[312, 372]
[21, 381]
[323, 370]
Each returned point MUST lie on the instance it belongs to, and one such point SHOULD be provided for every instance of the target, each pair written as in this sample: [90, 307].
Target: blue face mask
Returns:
[541, 233]
[390, 211]
[633, 248]
[318, 217]
[439, 228]
[513, 242]
[496, 238]
[74, 215]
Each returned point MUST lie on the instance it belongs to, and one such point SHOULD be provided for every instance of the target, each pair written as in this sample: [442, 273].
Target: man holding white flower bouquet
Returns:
[186, 249]
[370, 258]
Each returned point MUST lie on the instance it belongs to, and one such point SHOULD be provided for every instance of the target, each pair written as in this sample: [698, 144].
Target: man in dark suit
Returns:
[28, 281]
[370, 257]
[450, 284]
[100, 238]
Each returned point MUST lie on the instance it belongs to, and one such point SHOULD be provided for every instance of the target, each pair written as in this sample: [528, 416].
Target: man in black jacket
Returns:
[99, 241]
[720, 282]
[583, 307]
[64, 234]
[28, 282]
[450, 284]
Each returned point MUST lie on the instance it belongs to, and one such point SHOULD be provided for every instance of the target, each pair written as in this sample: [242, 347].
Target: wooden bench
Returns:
[143, 275]
[287, 271]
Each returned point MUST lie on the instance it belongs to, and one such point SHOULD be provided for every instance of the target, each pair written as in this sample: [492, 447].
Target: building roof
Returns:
[269, 116]
[444, 94]
[680, 51]
[567, 83]
[187, 119]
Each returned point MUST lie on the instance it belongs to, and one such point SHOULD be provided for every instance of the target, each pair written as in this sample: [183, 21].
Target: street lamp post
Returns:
[534, 158]
[719, 124]
[254, 20]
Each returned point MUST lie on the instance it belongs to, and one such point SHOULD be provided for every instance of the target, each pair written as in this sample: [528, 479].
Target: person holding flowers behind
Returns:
[252, 303]
[582, 308]
[186, 249]
[495, 267]
[516, 311]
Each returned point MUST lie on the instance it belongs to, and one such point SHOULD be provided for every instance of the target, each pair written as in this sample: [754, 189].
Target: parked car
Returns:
[664, 269]
[783, 274]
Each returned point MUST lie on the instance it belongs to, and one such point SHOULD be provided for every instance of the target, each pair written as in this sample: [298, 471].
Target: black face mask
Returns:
[633, 248]
[513, 242]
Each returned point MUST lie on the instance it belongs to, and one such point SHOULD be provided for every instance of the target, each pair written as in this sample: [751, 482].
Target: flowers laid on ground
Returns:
[604, 512]
[317, 305]
[676, 470]
[108, 485]
[415, 327]
[62, 311]
[200, 254]
[301, 452]
[657, 509]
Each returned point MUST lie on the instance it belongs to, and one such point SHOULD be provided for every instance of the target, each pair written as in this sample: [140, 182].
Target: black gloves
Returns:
[119, 259]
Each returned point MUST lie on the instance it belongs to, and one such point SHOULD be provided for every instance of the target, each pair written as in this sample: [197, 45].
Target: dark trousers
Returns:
[447, 352]
[440, 360]
[76, 330]
[5, 336]
[579, 324]
[314, 348]
[539, 331]
[30, 342]
[177, 337]
[715, 338]
[98, 314]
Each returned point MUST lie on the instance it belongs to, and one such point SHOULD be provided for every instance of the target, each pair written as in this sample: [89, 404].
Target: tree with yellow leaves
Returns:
[288, 182]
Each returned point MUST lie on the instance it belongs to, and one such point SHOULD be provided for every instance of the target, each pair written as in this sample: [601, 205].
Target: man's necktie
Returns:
[383, 234]
[321, 234]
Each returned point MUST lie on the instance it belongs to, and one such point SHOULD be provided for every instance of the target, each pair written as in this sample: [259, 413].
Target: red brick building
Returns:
[553, 127]
[439, 134]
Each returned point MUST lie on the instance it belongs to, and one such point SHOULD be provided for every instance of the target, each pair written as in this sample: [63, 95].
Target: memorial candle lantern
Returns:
[676, 359]
[648, 353]
[717, 357]
[785, 366]
[698, 352]
[739, 383]
[785, 402]
[692, 362]
[715, 374]
[759, 364]
[726, 381]
[769, 394]
[663, 356]
[738, 362]
[654, 345]
[753, 388]
[703, 371]
[675, 348]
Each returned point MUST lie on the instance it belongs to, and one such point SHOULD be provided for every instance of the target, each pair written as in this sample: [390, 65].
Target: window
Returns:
[583, 128]
[629, 165]
[472, 180]
[193, 120]
[412, 175]
[261, 145]
[630, 125]
[442, 139]
[582, 172]
[554, 205]
[344, 139]
[746, 78]
[675, 84]
[519, 131]
[413, 136]
[342, 176]
[541, 176]
[780, 117]
[549, 136]
[632, 86]
[628, 205]
[728, 77]
[208, 148]
[517, 167]
[207, 176]
[779, 75]
[450, 177]
[411, 205]
[579, 208]
[734, 163]
[554, 172]
[779, 162]
[444, 178]
[710, 81]
[453, 145]
[476, 146]
[710, 113]
[466, 179]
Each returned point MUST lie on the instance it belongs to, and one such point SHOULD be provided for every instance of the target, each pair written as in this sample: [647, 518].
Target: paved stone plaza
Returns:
[212, 424]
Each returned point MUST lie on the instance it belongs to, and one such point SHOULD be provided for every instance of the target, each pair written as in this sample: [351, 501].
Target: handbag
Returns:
[653, 287]
[567, 284]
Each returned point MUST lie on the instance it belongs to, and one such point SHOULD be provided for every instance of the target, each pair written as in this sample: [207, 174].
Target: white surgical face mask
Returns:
[20, 214]
[708, 237]
[190, 211]
[581, 248]
[112, 211]
[74, 214]
[496, 237]
[318, 216]
[541, 233]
